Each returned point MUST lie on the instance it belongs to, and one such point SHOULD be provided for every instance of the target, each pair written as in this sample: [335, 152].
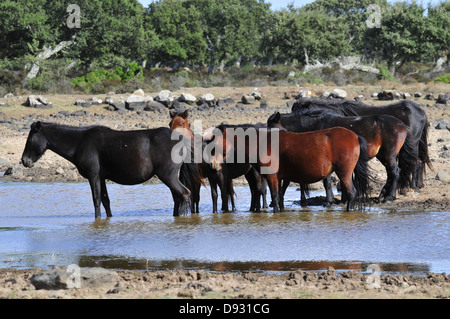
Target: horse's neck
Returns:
[63, 140]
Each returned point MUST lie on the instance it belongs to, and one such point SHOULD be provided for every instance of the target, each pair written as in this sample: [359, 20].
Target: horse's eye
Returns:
[181, 124]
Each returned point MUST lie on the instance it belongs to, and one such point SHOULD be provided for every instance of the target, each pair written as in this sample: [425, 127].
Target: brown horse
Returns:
[304, 158]
[385, 136]
[222, 178]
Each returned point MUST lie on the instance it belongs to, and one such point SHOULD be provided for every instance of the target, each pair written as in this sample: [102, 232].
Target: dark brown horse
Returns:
[304, 158]
[409, 112]
[222, 178]
[385, 136]
[100, 153]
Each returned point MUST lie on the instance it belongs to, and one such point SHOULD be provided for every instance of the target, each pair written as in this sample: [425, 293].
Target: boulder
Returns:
[339, 93]
[67, 278]
[37, 101]
[154, 106]
[442, 99]
[256, 94]
[139, 92]
[208, 99]
[359, 98]
[117, 106]
[165, 97]
[417, 94]
[386, 95]
[82, 103]
[443, 176]
[248, 99]
[187, 98]
[429, 96]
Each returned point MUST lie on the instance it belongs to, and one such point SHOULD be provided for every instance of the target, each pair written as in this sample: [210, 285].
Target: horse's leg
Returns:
[95, 184]
[303, 200]
[264, 191]
[389, 190]
[272, 182]
[105, 197]
[181, 195]
[213, 186]
[328, 191]
[347, 188]
[252, 179]
[230, 192]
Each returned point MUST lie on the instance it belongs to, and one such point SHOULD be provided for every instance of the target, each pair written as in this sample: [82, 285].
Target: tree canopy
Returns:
[222, 32]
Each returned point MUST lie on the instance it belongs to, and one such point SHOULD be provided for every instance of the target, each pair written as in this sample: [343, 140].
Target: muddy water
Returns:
[42, 225]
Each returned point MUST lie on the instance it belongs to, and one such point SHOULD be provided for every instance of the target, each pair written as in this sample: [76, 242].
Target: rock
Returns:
[291, 74]
[4, 162]
[443, 176]
[339, 93]
[82, 103]
[139, 92]
[375, 94]
[187, 98]
[109, 100]
[8, 95]
[165, 97]
[441, 124]
[135, 106]
[429, 96]
[256, 94]
[417, 94]
[79, 113]
[386, 95]
[248, 99]
[406, 95]
[359, 98]
[82, 277]
[179, 106]
[207, 98]
[60, 170]
[305, 93]
[442, 99]
[154, 106]
[118, 106]
[37, 101]
[263, 104]
[95, 101]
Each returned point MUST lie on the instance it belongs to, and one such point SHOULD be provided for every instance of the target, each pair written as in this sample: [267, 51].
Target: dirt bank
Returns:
[200, 284]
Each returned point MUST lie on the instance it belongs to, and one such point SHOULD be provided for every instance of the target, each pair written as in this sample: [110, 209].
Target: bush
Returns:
[443, 78]
[385, 74]
[92, 79]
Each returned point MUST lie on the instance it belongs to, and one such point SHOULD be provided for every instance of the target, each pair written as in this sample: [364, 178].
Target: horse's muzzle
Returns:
[216, 165]
[27, 162]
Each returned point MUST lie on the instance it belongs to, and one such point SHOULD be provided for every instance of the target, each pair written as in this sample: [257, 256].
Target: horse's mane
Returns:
[70, 127]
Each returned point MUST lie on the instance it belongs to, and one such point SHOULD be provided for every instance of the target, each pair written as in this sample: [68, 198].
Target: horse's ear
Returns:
[277, 117]
[36, 126]
[172, 114]
[185, 114]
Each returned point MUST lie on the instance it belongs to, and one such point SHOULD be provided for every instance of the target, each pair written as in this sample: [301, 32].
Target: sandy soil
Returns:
[435, 196]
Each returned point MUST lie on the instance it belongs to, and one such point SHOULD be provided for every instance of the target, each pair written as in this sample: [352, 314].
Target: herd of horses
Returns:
[317, 138]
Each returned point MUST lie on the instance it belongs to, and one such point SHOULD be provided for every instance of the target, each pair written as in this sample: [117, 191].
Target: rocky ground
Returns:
[15, 120]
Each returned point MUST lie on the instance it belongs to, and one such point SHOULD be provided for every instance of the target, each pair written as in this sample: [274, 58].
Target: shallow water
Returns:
[42, 225]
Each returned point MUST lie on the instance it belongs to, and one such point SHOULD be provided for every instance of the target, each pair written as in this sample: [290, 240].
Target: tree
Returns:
[179, 31]
[404, 35]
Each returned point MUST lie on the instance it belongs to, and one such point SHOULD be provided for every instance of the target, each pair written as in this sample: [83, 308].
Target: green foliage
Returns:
[443, 79]
[385, 74]
[134, 71]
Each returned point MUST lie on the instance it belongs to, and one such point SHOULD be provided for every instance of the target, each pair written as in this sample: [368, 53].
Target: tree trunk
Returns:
[44, 55]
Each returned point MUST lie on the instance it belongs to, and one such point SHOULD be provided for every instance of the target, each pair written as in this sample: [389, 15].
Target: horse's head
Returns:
[36, 145]
[180, 123]
[274, 121]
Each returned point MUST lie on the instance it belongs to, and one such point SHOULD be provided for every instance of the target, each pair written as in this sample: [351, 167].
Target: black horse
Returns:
[100, 153]
[385, 136]
[406, 111]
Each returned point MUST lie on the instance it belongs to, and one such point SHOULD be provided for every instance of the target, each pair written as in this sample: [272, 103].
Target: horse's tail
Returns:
[423, 149]
[191, 177]
[407, 159]
[362, 176]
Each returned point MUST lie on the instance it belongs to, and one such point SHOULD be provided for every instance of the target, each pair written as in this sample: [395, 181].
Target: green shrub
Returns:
[88, 81]
[385, 74]
[443, 78]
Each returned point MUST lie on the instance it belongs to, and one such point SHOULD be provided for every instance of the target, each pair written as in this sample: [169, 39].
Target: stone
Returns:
[65, 278]
[4, 162]
[248, 99]
[429, 96]
[60, 170]
[187, 98]
[443, 176]
[166, 97]
[339, 93]
[359, 98]
[118, 106]
[386, 95]
[36, 101]
[207, 98]
[442, 99]
[256, 94]
[263, 104]
[139, 92]
[154, 106]
[417, 94]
